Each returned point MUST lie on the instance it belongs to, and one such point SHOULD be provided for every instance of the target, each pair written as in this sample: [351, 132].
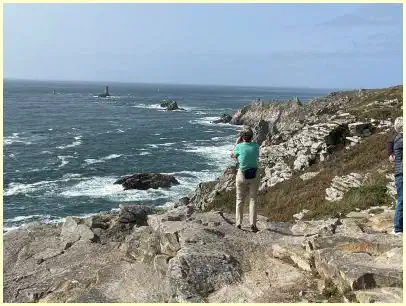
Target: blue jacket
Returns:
[396, 147]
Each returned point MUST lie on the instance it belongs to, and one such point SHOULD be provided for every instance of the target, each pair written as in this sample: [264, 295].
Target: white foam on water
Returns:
[208, 121]
[50, 187]
[90, 161]
[218, 156]
[22, 218]
[19, 188]
[120, 131]
[149, 106]
[104, 187]
[46, 152]
[63, 159]
[16, 138]
[152, 145]
[77, 142]
[144, 153]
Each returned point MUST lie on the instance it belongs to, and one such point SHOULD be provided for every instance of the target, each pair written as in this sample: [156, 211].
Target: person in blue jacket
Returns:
[395, 150]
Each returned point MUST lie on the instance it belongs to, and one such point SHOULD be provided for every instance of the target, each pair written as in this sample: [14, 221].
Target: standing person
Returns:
[395, 150]
[247, 153]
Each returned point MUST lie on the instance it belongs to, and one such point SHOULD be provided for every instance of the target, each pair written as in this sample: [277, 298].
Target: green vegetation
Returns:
[283, 200]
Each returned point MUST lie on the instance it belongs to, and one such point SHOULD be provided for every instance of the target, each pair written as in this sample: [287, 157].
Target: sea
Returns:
[63, 150]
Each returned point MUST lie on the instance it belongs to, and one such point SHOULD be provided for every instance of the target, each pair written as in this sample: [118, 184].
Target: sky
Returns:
[288, 45]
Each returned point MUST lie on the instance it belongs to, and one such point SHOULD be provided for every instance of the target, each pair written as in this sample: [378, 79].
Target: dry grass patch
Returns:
[283, 200]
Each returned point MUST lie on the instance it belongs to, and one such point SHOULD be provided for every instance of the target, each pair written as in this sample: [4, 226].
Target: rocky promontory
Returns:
[326, 206]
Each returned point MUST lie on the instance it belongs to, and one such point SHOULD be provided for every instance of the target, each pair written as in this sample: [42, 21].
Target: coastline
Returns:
[324, 221]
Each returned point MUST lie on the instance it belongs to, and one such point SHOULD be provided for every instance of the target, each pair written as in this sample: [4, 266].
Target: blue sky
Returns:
[306, 45]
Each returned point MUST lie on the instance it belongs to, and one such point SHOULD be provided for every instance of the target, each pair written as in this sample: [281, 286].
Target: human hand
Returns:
[392, 158]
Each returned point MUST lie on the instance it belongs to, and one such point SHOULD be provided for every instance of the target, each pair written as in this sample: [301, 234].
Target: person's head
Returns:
[247, 134]
[398, 125]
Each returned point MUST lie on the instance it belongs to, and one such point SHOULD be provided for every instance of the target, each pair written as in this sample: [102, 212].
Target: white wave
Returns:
[200, 113]
[69, 176]
[46, 152]
[63, 159]
[22, 218]
[144, 153]
[218, 156]
[208, 121]
[152, 145]
[19, 188]
[90, 161]
[50, 129]
[149, 106]
[77, 142]
[120, 131]
[50, 187]
[16, 138]
[103, 187]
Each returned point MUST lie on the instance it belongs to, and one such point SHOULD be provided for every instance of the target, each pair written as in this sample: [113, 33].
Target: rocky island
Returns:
[325, 213]
[170, 105]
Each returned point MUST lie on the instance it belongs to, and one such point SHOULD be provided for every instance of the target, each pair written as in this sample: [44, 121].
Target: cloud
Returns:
[376, 15]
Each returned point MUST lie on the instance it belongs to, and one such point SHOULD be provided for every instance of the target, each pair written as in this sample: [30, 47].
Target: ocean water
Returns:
[63, 152]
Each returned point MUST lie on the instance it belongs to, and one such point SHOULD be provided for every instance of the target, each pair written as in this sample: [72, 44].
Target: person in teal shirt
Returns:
[247, 153]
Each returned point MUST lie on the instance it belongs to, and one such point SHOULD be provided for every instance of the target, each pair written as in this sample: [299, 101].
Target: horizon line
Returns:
[178, 84]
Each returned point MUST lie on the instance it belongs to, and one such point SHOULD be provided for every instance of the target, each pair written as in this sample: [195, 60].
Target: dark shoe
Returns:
[239, 226]
[254, 228]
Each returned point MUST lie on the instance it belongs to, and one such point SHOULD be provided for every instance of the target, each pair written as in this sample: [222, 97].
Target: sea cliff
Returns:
[325, 215]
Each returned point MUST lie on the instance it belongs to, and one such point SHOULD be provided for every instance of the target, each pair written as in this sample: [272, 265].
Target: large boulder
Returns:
[144, 181]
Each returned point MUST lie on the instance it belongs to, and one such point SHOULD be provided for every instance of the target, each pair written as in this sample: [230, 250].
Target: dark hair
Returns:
[247, 134]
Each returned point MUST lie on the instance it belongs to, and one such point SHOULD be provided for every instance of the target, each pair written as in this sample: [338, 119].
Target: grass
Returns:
[283, 200]
[287, 198]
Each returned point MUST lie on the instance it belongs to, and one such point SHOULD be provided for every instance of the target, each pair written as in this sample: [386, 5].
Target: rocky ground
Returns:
[326, 211]
[183, 255]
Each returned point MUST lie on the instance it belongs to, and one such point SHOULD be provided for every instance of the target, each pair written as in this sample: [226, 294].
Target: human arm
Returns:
[391, 152]
[236, 152]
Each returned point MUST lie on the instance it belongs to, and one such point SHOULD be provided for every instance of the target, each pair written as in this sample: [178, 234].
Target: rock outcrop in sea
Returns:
[325, 216]
[144, 181]
[170, 105]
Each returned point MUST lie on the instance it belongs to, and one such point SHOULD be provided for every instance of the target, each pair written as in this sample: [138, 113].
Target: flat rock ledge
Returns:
[182, 255]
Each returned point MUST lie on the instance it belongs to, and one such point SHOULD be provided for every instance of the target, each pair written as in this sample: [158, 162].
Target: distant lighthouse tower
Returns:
[106, 92]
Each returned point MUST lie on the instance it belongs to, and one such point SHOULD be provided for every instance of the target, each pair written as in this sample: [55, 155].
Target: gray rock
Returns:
[355, 271]
[161, 264]
[144, 181]
[380, 295]
[211, 271]
[359, 128]
[135, 214]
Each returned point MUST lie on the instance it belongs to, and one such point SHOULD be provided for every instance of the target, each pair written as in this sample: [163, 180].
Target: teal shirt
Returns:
[247, 154]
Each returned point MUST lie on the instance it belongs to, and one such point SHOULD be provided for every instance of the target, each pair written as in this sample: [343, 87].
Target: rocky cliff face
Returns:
[322, 173]
[295, 137]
